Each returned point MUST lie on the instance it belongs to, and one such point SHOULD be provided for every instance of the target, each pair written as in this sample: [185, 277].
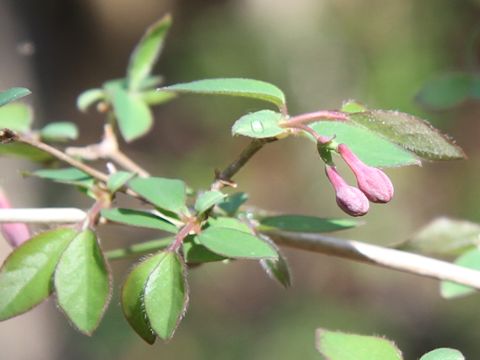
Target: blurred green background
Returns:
[319, 52]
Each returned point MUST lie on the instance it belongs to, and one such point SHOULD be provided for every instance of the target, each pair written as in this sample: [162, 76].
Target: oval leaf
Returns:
[231, 204]
[233, 86]
[17, 117]
[89, 97]
[166, 295]
[370, 148]
[146, 52]
[443, 354]
[470, 260]
[133, 115]
[302, 223]
[132, 297]
[13, 94]
[143, 248]
[277, 269]
[118, 179]
[230, 223]
[72, 176]
[157, 97]
[335, 345]
[445, 91]
[25, 151]
[195, 253]
[410, 132]
[260, 124]
[138, 218]
[208, 199]
[59, 131]
[444, 237]
[168, 194]
[82, 282]
[25, 276]
[235, 244]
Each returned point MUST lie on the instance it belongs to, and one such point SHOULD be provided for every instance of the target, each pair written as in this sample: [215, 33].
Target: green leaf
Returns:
[208, 199]
[132, 297]
[230, 223]
[335, 345]
[82, 282]
[150, 82]
[59, 131]
[72, 176]
[232, 86]
[157, 97]
[260, 124]
[444, 237]
[13, 94]
[410, 132]
[277, 269]
[232, 203]
[24, 151]
[470, 260]
[303, 223]
[17, 117]
[370, 148]
[233, 243]
[445, 91]
[146, 52]
[168, 194]
[133, 115]
[25, 276]
[166, 295]
[195, 253]
[90, 97]
[352, 106]
[118, 179]
[443, 354]
[138, 218]
[146, 247]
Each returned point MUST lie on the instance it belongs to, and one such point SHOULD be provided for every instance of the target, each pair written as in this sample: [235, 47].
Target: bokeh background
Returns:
[319, 52]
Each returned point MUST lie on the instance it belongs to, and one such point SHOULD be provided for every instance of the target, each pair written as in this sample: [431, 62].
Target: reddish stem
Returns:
[181, 235]
[315, 116]
[320, 138]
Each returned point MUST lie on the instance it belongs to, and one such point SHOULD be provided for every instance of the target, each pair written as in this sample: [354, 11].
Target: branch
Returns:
[347, 249]
[379, 256]
[42, 215]
[224, 177]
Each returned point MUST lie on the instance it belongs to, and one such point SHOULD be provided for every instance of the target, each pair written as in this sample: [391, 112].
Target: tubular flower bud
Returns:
[14, 233]
[373, 182]
[349, 198]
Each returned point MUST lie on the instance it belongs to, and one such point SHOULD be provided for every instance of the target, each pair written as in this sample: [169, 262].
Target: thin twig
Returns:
[7, 136]
[379, 256]
[128, 164]
[108, 149]
[225, 176]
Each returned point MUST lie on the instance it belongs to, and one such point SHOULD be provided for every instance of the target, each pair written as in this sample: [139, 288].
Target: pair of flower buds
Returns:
[373, 184]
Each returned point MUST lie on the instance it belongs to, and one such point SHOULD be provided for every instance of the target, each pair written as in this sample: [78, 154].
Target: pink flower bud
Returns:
[349, 198]
[14, 233]
[373, 182]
